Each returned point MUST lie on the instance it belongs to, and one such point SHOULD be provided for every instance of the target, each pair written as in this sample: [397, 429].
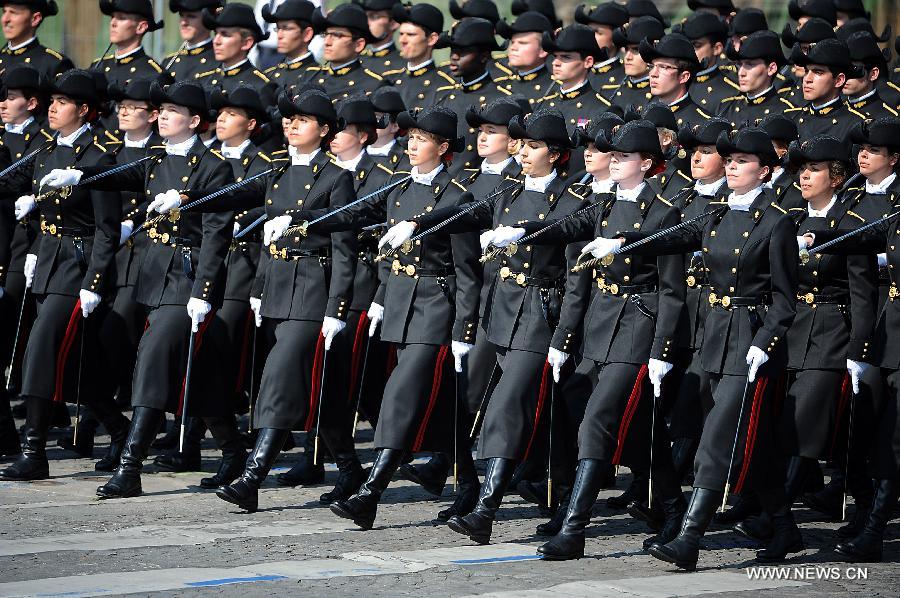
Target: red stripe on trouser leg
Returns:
[63, 355]
[197, 344]
[432, 399]
[245, 351]
[630, 408]
[356, 355]
[391, 361]
[841, 408]
[752, 427]
[542, 396]
[314, 388]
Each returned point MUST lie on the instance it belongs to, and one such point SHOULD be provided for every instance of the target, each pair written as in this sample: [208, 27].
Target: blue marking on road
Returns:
[228, 580]
[496, 559]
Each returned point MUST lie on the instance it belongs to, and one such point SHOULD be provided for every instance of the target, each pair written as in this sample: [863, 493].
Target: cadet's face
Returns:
[536, 158]
[124, 27]
[175, 121]
[340, 47]
[135, 115]
[14, 109]
[233, 124]
[347, 143]
[229, 44]
[305, 133]
[381, 25]
[493, 140]
[18, 21]
[633, 63]
[64, 113]
[815, 181]
[820, 83]
[626, 166]
[290, 36]
[525, 51]
[875, 160]
[706, 164]
[753, 75]
[595, 161]
[570, 66]
[603, 35]
[665, 78]
[190, 26]
[706, 50]
[855, 87]
[413, 41]
[744, 172]
[466, 62]
[422, 148]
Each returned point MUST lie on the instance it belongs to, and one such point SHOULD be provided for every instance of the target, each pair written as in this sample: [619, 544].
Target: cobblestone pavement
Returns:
[56, 538]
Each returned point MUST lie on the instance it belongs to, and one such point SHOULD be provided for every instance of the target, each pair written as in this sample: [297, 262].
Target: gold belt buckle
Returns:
[726, 301]
[152, 233]
[174, 215]
[273, 251]
[395, 267]
[512, 248]
[52, 228]
[284, 253]
[164, 238]
[608, 259]
[505, 272]
[520, 279]
[410, 270]
[407, 246]
[893, 292]
[809, 298]
[691, 281]
[713, 298]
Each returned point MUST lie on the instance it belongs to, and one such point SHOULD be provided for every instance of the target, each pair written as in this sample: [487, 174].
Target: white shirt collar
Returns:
[475, 80]
[416, 67]
[881, 188]
[863, 96]
[709, 189]
[17, 129]
[337, 67]
[495, 168]
[127, 54]
[826, 104]
[762, 93]
[198, 44]
[141, 143]
[350, 164]
[823, 212]
[69, 140]
[427, 177]
[382, 151]
[743, 202]
[234, 66]
[181, 149]
[604, 186]
[298, 159]
[383, 46]
[605, 62]
[22, 45]
[629, 194]
[776, 172]
[534, 70]
[681, 99]
[573, 88]
[298, 59]
[540, 183]
[234, 153]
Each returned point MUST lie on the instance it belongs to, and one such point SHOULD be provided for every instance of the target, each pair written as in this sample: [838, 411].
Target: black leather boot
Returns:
[305, 472]
[786, 536]
[801, 473]
[653, 516]
[234, 456]
[868, 545]
[684, 550]
[87, 426]
[467, 492]
[117, 426]
[477, 524]
[552, 527]
[10, 443]
[759, 528]
[683, 452]
[432, 475]
[32, 464]
[863, 493]
[828, 500]
[747, 505]
[244, 492]
[362, 506]
[568, 543]
[126, 481]
[169, 440]
[637, 490]
[187, 459]
[673, 516]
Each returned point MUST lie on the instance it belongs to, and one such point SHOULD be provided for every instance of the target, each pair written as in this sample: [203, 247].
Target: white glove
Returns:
[486, 239]
[125, 230]
[24, 206]
[197, 310]
[89, 301]
[256, 306]
[61, 177]
[30, 265]
[801, 243]
[556, 359]
[856, 370]
[376, 314]
[164, 203]
[236, 229]
[274, 228]
[397, 235]
[601, 247]
[755, 358]
[657, 370]
[330, 328]
[882, 260]
[460, 350]
[504, 235]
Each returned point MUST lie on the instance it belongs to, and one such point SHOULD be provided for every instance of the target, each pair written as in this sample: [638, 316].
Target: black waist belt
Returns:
[411, 270]
[184, 242]
[614, 288]
[291, 253]
[728, 302]
[524, 280]
[66, 231]
[816, 298]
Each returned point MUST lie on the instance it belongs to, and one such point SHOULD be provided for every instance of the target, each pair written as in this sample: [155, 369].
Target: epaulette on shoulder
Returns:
[501, 79]
[889, 109]
[447, 87]
[732, 83]
[281, 159]
[503, 90]
[472, 169]
[315, 68]
[47, 135]
[684, 176]
[401, 172]
[794, 109]
[112, 142]
[160, 146]
[264, 156]
[731, 99]
[602, 99]
[549, 97]
[796, 209]
[280, 151]
[502, 67]
[857, 113]
[447, 77]
[790, 106]
[610, 86]
[785, 89]
[384, 168]
[217, 154]
[261, 75]
[53, 53]
[664, 200]
[111, 137]
[272, 68]
[392, 72]
[458, 184]
[205, 73]
[855, 215]
[703, 114]
[570, 190]
[374, 75]
[797, 187]
[154, 66]
[718, 203]
[100, 147]
[777, 207]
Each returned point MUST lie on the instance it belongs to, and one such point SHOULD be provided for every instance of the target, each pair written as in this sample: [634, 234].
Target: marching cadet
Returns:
[757, 61]
[487, 10]
[861, 93]
[382, 55]
[782, 131]
[440, 271]
[522, 309]
[866, 545]
[645, 8]
[712, 82]
[79, 236]
[498, 169]
[471, 42]
[303, 290]
[22, 107]
[670, 180]
[346, 32]
[743, 23]
[21, 19]
[607, 74]
[526, 57]
[386, 150]
[236, 32]
[618, 334]
[130, 21]
[420, 29]
[293, 28]
[196, 51]
[847, 10]
[804, 10]
[177, 277]
[673, 65]
[827, 66]
[634, 90]
[744, 347]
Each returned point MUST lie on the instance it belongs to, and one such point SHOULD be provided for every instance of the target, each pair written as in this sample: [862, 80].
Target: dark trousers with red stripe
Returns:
[417, 408]
[755, 453]
[513, 417]
[807, 420]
